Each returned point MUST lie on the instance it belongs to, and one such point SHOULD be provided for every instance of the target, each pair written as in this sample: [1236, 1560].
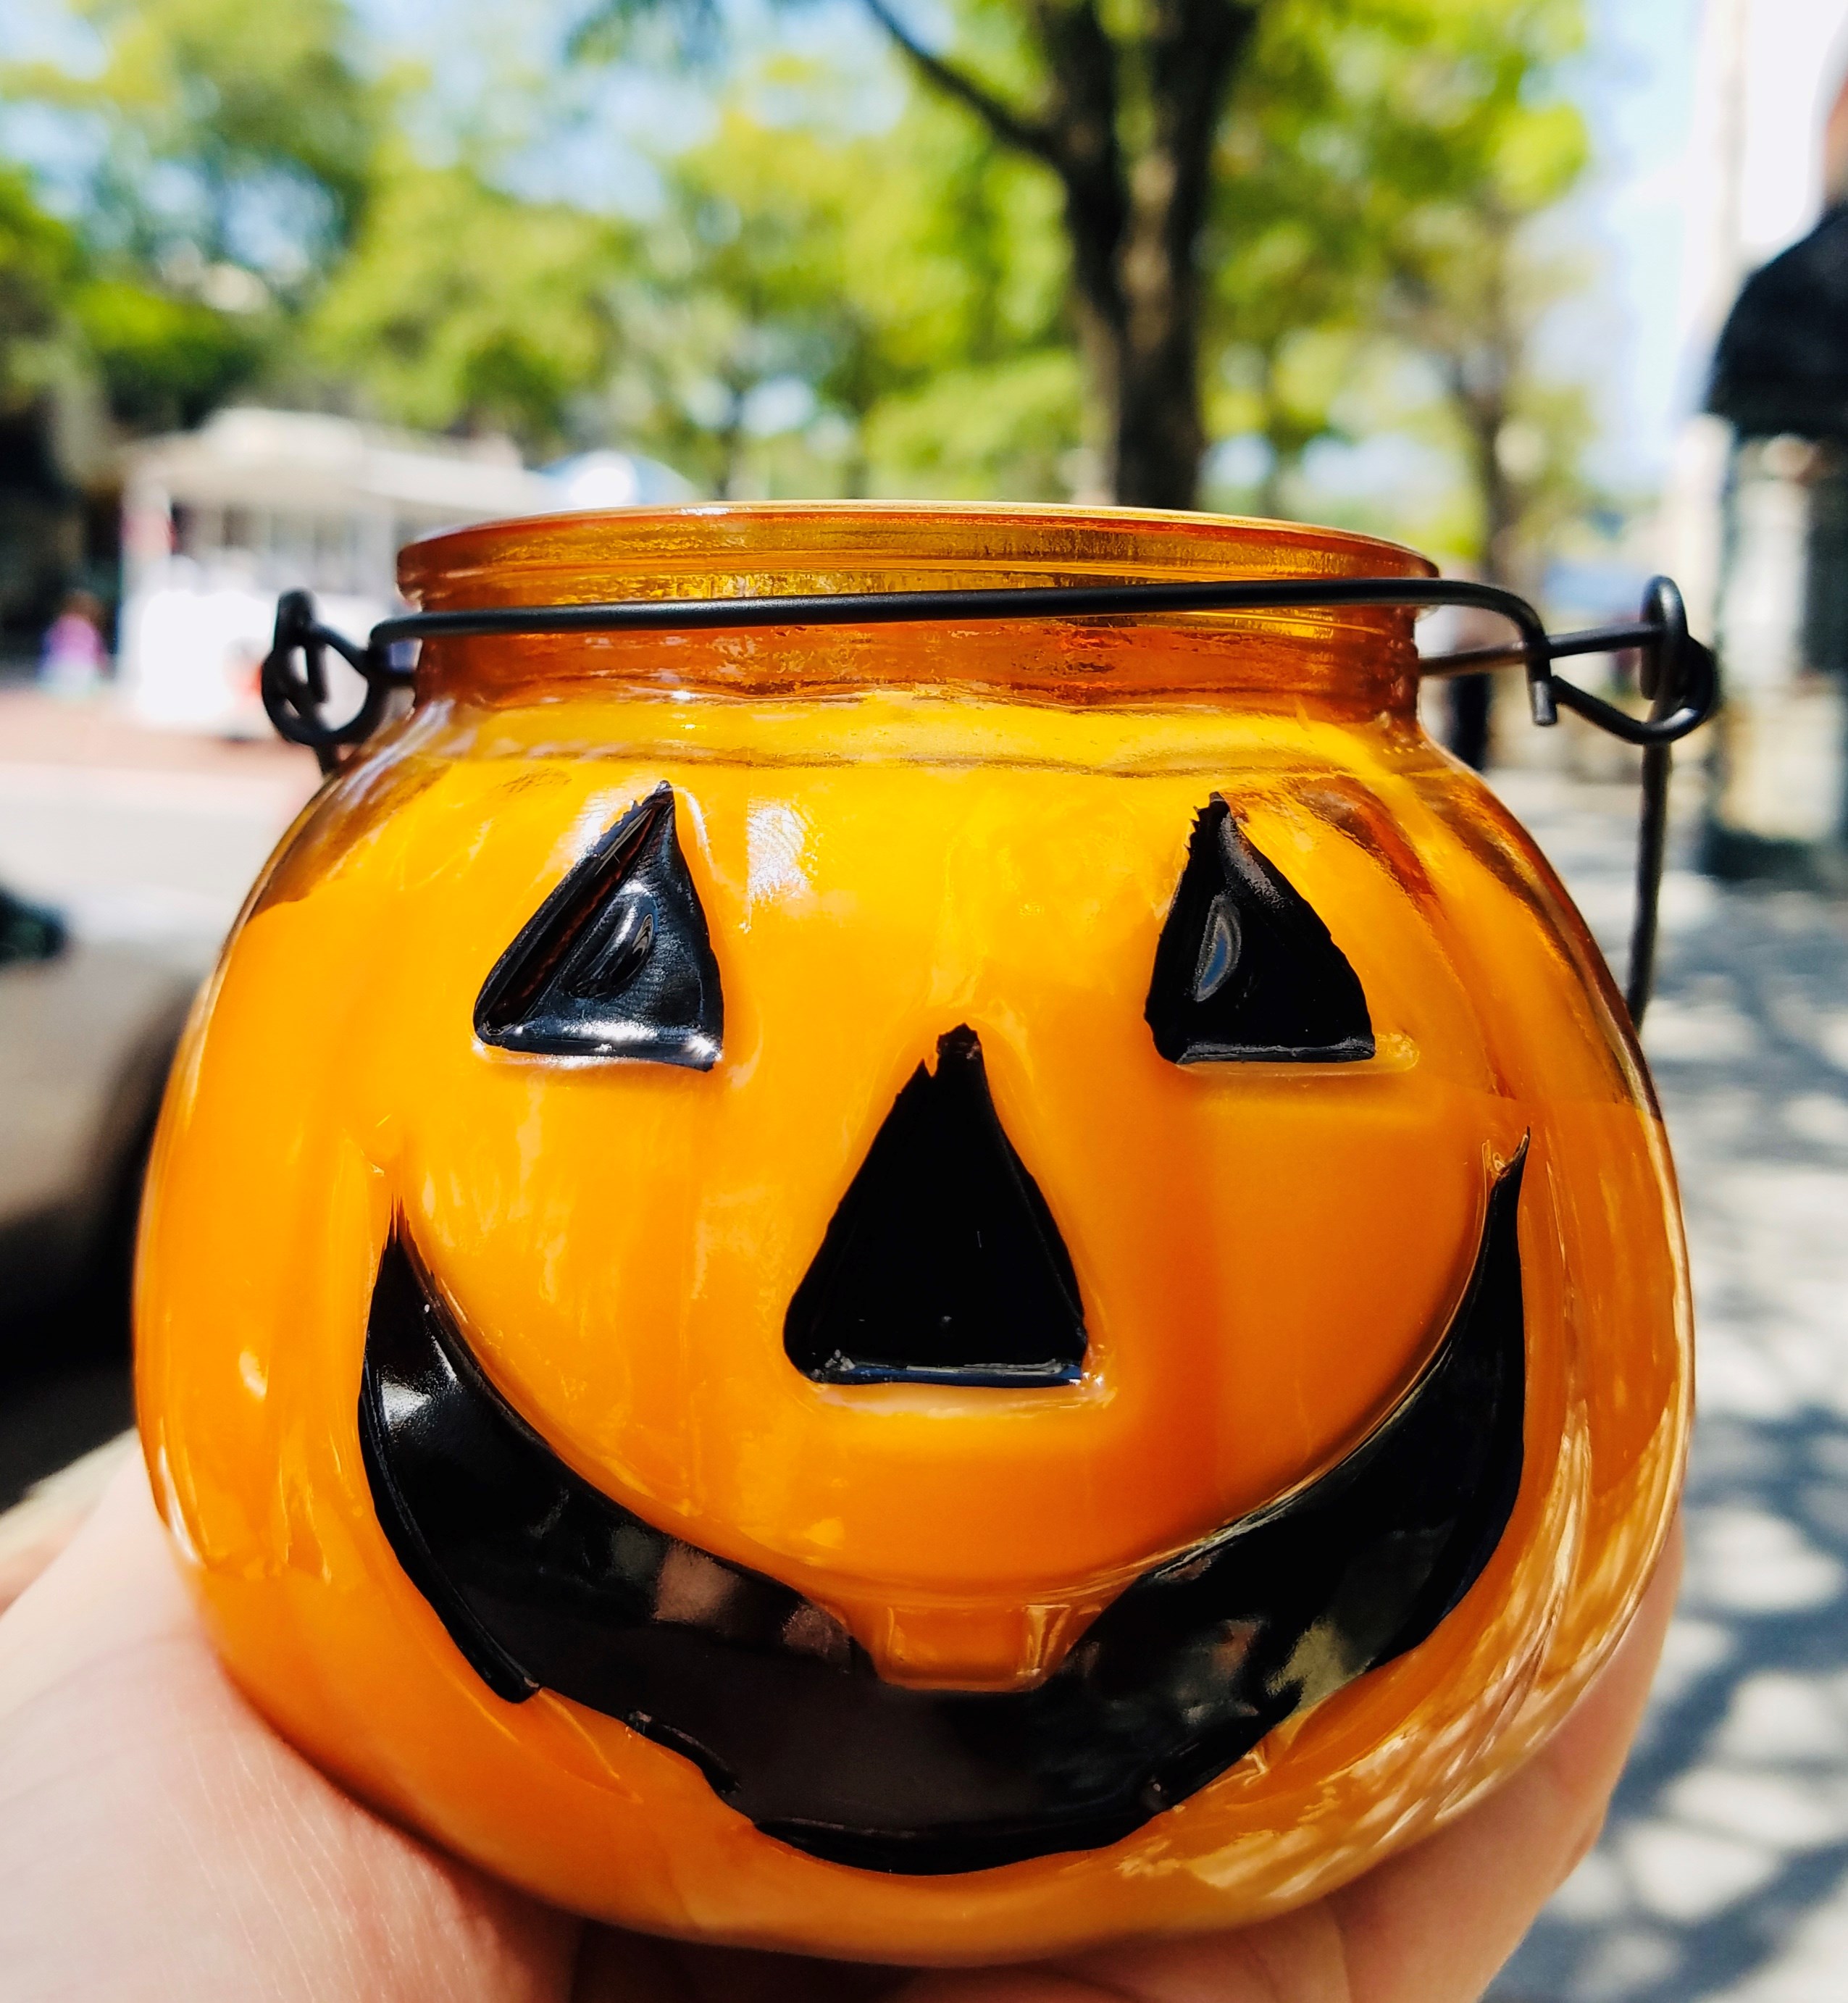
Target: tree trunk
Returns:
[1273, 490]
[1194, 48]
[729, 438]
[1479, 388]
[1500, 559]
[1134, 221]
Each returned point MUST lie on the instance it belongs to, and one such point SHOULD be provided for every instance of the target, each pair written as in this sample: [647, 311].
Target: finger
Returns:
[617, 1967]
[1439, 1921]
[33, 1531]
[1431, 1926]
[158, 1840]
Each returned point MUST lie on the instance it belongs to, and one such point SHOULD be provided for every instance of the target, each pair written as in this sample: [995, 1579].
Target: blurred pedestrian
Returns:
[71, 662]
[1467, 732]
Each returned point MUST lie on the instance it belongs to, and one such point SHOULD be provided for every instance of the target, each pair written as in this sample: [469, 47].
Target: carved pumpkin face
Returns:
[821, 1318]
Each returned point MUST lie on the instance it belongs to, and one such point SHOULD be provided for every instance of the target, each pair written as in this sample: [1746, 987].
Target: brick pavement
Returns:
[40, 729]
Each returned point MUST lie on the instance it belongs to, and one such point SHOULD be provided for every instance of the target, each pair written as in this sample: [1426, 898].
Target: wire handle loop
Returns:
[1678, 674]
[296, 699]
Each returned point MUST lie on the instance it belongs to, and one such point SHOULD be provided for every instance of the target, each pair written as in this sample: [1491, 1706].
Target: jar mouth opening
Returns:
[722, 550]
[741, 543]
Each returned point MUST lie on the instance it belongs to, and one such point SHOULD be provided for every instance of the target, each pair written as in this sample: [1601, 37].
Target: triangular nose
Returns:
[943, 1264]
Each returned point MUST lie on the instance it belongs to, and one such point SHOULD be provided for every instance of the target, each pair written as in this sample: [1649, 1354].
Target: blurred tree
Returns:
[39, 259]
[1474, 315]
[1293, 238]
[459, 307]
[244, 134]
[959, 267]
[737, 322]
[234, 152]
[893, 299]
[165, 363]
[40, 393]
[1380, 173]
[1108, 223]
[1480, 150]
[1241, 180]
[1125, 113]
[1123, 105]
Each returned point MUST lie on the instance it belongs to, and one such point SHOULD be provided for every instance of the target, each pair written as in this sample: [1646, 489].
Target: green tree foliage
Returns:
[247, 132]
[236, 154]
[1123, 106]
[909, 283]
[165, 363]
[1468, 286]
[1380, 173]
[961, 262]
[816, 304]
[809, 309]
[461, 308]
[1257, 184]
[39, 261]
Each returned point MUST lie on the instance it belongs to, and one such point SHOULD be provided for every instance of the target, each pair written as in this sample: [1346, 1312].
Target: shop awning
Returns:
[1782, 364]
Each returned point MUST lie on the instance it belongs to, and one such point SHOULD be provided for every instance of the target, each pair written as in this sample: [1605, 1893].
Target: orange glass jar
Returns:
[922, 1292]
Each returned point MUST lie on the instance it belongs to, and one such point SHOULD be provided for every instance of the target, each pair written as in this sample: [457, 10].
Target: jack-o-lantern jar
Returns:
[924, 1291]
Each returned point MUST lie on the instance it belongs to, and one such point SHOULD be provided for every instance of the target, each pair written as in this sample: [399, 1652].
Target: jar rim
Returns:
[701, 548]
[1360, 658]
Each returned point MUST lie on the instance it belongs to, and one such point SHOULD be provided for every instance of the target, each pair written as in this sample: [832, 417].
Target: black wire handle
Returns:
[1678, 673]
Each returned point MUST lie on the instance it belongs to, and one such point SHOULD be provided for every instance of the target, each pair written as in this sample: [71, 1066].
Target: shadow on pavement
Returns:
[1723, 1870]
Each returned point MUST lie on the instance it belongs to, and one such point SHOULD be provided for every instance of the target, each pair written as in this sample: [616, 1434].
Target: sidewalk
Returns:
[143, 835]
[1724, 1872]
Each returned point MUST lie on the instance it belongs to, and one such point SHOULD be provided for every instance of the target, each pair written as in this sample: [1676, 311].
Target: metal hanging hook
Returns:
[1678, 673]
[296, 698]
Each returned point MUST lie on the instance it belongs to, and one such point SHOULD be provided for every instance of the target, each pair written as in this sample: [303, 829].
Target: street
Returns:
[1724, 1873]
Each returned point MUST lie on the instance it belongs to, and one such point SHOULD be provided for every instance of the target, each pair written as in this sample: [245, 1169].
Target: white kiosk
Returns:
[216, 522]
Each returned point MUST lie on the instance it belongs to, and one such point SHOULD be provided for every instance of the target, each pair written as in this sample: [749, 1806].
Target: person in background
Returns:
[1470, 698]
[71, 662]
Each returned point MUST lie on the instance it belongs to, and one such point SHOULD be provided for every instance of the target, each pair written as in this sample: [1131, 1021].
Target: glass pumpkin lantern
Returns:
[923, 1291]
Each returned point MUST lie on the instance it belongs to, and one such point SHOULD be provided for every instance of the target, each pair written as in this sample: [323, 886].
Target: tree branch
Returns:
[1016, 130]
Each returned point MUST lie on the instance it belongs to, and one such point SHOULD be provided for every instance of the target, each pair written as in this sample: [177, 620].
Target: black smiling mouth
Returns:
[544, 1582]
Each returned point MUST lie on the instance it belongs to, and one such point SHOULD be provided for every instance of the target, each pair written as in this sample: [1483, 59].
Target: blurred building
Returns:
[217, 522]
[57, 512]
[1777, 593]
[1781, 379]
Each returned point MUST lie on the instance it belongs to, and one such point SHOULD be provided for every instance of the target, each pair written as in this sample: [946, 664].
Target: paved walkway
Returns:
[1724, 1873]
[139, 835]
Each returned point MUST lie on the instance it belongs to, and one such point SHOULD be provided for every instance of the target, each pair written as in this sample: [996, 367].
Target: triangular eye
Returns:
[1245, 970]
[616, 962]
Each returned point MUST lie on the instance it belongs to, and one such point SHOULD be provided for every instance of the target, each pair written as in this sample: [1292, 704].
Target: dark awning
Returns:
[1782, 364]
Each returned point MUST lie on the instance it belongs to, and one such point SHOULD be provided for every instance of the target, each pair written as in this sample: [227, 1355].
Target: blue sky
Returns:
[1636, 83]
[1643, 206]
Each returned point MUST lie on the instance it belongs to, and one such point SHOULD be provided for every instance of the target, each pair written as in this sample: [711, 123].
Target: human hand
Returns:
[158, 1840]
